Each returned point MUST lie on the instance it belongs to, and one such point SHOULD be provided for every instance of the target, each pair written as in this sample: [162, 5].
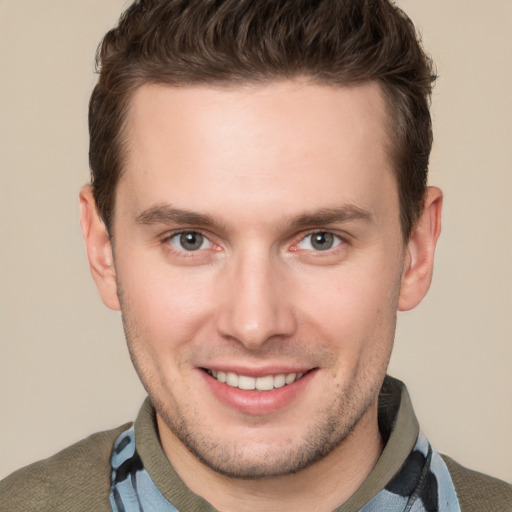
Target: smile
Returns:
[265, 383]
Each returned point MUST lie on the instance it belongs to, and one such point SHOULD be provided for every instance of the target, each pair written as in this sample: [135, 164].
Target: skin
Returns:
[255, 170]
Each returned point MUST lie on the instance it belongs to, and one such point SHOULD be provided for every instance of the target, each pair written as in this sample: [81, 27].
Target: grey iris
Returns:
[191, 241]
[322, 241]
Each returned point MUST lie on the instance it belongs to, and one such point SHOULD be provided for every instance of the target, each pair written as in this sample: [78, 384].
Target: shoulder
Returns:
[478, 492]
[77, 478]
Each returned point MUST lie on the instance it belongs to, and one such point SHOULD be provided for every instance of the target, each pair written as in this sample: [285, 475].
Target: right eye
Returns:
[320, 241]
[189, 241]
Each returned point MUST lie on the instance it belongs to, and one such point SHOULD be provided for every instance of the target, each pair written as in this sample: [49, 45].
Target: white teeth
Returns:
[279, 381]
[290, 378]
[232, 379]
[265, 383]
[245, 382]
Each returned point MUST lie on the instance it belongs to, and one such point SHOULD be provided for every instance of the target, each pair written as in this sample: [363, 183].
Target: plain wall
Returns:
[64, 368]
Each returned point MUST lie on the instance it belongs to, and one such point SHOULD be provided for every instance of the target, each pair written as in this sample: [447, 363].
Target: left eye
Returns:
[320, 241]
[190, 241]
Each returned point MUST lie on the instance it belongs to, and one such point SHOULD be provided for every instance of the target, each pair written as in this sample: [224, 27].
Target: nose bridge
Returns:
[253, 307]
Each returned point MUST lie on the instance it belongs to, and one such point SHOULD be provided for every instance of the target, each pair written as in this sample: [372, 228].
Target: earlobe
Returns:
[99, 249]
[419, 258]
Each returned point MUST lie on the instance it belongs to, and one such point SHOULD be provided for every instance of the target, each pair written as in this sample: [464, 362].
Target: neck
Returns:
[322, 486]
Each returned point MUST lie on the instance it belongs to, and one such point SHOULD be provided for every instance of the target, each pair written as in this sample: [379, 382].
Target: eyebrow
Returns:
[167, 214]
[326, 216]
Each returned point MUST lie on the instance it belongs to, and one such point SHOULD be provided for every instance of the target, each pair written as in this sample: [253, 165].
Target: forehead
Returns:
[281, 143]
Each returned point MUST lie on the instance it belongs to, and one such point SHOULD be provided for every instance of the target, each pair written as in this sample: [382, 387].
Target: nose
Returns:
[256, 302]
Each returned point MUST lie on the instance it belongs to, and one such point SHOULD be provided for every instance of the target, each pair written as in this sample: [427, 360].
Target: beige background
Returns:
[64, 370]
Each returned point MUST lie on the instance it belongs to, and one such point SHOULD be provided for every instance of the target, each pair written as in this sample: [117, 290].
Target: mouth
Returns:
[247, 383]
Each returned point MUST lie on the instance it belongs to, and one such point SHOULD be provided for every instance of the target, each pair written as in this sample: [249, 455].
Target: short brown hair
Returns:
[337, 42]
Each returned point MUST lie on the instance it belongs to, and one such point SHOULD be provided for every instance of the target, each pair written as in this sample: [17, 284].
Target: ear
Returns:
[419, 257]
[99, 249]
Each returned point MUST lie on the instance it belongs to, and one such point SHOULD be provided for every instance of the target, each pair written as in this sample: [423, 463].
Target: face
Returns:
[259, 260]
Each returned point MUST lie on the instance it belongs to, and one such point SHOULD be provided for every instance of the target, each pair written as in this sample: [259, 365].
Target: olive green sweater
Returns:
[78, 478]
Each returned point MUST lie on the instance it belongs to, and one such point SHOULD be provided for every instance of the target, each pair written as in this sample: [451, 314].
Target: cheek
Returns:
[353, 305]
[165, 305]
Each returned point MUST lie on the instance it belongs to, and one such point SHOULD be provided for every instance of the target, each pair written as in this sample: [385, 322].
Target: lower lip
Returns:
[257, 403]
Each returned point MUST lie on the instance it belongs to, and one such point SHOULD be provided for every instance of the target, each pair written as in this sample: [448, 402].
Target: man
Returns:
[259, 212]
